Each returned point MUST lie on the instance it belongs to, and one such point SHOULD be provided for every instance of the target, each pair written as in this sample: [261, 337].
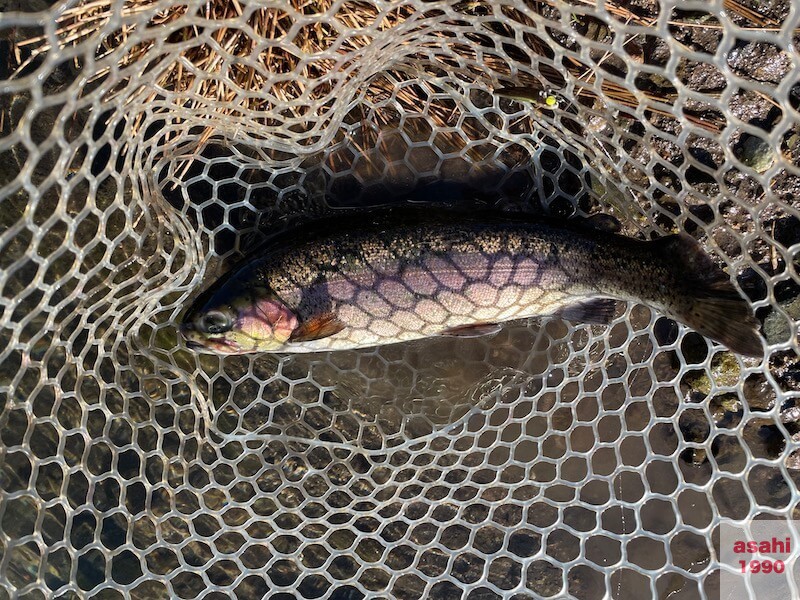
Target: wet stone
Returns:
[754, 152]
[760, 61]
[544, 578]
[777, 327]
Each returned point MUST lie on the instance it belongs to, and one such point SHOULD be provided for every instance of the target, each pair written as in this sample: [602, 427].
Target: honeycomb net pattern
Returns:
[147, 145]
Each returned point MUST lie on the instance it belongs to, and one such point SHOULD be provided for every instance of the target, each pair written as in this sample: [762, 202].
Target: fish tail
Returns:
[715, 308]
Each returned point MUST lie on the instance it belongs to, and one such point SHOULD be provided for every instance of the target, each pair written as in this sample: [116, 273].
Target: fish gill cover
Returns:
[148, 145]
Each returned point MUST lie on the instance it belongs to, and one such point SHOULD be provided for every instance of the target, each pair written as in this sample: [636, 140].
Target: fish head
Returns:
[238, 318]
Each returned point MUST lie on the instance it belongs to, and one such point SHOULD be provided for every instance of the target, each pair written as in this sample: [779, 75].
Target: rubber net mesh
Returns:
[147, 145]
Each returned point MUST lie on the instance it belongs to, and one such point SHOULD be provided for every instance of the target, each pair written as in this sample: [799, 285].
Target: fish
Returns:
[364, 281]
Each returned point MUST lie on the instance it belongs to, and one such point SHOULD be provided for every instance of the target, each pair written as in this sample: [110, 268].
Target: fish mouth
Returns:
[218, 345]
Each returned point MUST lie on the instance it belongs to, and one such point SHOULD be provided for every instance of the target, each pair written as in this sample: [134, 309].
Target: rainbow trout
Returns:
[386, 280]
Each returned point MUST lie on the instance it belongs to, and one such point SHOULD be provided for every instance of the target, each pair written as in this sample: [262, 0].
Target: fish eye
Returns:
[215, 321]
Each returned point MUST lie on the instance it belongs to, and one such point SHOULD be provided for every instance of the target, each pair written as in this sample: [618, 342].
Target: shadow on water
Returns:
[388, 396]
[242, 196]
[408, 391]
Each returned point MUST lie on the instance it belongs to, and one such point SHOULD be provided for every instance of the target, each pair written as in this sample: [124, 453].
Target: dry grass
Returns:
[260, 58]
[249, 63]
[230, 57]
[230, 64]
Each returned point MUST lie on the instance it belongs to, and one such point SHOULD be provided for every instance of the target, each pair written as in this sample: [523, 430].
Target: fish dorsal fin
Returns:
[599, 311]
[316, 328]
[469, 331]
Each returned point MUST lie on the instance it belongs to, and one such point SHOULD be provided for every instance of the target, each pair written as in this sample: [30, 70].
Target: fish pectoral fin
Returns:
[604, 222]
[469, 331]
[598, 311]
[316, 328]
